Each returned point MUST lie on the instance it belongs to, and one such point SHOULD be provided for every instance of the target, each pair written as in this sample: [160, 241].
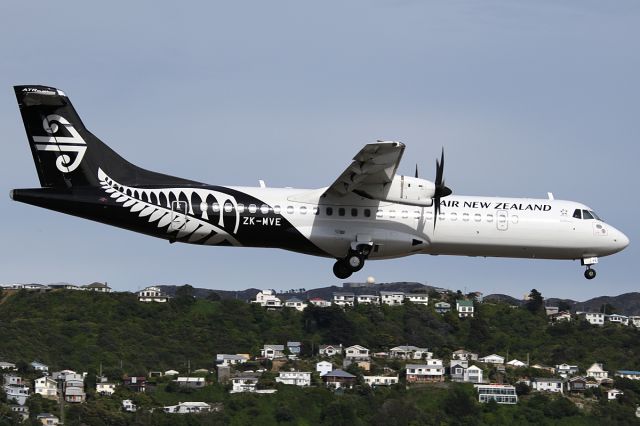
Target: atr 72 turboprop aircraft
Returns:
[368, 213]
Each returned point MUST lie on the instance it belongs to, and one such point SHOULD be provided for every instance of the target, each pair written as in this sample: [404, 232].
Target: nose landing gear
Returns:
[590, 273]
[353, 262]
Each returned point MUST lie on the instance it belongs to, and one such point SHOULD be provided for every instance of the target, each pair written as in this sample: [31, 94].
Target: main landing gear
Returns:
[589, 273]
[353, 262]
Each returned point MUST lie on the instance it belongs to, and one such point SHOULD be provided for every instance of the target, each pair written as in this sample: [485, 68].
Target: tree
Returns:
[608, 309]
[213, 296]
[563, 305]
[535, 303]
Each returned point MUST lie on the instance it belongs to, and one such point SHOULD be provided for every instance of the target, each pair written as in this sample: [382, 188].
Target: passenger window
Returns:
[586, 215]
[405, 214]
[252, 208]
[416, 215]
[392, 214]
[303, 209]
[454, 216]
[264, 209]
[442, 216]
[489, 218]
[215, 207]
[379, 214]
[316, 211]
[354, 212]
[290, 209]
[240, 208]
[577, 214]
[465, 217]
[477, 217]
[329, 211]
[367, 213]
[276, 209]
[341, 211]
[429, 215]
[228, 207]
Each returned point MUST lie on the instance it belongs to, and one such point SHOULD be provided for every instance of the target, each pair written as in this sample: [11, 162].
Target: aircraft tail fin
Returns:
[65, 153]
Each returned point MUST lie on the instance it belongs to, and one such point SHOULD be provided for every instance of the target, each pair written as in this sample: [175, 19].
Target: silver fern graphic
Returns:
[156, 205]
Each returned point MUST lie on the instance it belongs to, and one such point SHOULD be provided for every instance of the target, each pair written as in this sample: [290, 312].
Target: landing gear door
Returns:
[502, 220]
[178, 215]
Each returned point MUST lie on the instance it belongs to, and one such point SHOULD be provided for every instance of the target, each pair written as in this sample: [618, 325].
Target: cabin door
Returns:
[502, 220]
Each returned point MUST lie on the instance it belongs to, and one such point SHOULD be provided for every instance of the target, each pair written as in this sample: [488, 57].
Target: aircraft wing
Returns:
[376, 163]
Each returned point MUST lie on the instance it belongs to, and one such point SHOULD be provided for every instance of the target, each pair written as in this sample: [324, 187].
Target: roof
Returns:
[274, 347]
[546, 379]
[340, 373]
[463, 302]
[96, 285]
[408, 348]
[629, 372]
[398, 293]
[293, 300]
[190, 379]
[294, 344]
[418, 366]
[442, 304]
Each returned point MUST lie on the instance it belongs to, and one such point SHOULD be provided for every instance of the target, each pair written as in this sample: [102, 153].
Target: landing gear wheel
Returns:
[341, 269]
[590, 273]
[355, 262]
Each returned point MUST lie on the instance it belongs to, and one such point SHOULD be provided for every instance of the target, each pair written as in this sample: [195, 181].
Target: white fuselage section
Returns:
[466, 226]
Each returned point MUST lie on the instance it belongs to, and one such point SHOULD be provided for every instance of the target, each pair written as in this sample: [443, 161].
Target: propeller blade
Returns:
[441, 190]
[416, 170]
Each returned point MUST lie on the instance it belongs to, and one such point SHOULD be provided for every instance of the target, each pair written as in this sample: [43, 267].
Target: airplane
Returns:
[368, 213]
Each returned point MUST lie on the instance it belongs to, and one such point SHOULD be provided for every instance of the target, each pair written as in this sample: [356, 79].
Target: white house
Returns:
[18, 392]
[566, 370]
[230, 359]
[442, 307]
[628, 374]
[547, 385]
[330, 350]
[272, 351]
[356, 352]
[188, 408]
[7, 366]
[171, 373]
[152, 294]
[463, 354]
[343, 299]
[296, 304]
[409, 352]
[595, 318]
[47, 419]
[635, 320]
[613, 394]
[129, 406]
[502, 394]
[324, 367]
[105, 388]
[47, 387]
[244, 382]
[38, 366]
[381, 380]
[492, 359]
[432, 371]
[560, 316]
[97, 287]
[267, 298]
[297, 378]
[516, 363]
[392, 298]
[417, 298]
[465, 308]
[190, 382]
[618, 319]
[597, 371]
[370, 299]
[12, 379]
[21, 410]
[473, 374]
[320, 302]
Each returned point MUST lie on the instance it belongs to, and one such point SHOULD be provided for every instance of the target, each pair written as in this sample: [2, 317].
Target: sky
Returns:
[525, 97]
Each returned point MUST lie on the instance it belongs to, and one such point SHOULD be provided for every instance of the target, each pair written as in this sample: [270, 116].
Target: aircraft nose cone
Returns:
[622, 240]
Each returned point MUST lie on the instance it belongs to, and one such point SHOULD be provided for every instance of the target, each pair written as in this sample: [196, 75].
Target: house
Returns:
[244, 382]
[577, 384]
[595, 318]
[229, 359]
[633, 320]
[38, 366]
[515, 363]
[392, 298]
[268, 299]
[129, 406]
[432, 371]
[597, 371]
[190, 382]
[613, 394]
[152, 294]
[7, 366]
[409, 352]
[462, 354]
[628, 374]
[566, 370]
[442, 307]
[135, 384]
[105, 388]
[473, 374]
[323, 367]
[171, 373]
[320, 302]
[560, 316]
[547, 385]
[47, 387]
[62, 375]
[502, 394]
[464, 308]
[356, 352]
[295, 303]
[492, 359]
[12, 379]
[370, 299]
[74, 394]
[294, 348]
[19, 393]
[47, 419]
[544, 367]
[339, 379]
[187, 408]
[297, 378]
[618, 319]
[330, 350]
[272, 351]
[98, 287]
[343, 299]
[417, 298]
[460, 371]
[381, 380]
[551, 310]
[22, 411]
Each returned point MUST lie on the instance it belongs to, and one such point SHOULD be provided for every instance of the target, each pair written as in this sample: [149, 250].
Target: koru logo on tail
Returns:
[61, 144]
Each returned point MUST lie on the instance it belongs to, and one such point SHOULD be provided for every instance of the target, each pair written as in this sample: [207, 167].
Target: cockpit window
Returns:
[586, 214]
[577, 214]
[594, 215]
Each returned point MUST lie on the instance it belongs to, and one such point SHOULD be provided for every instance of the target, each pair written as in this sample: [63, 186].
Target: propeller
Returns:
[441, 188]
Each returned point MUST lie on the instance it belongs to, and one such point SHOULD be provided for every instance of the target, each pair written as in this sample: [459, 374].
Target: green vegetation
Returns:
[84, 330]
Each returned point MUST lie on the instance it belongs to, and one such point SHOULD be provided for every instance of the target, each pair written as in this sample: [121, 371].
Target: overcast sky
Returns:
[526, 97]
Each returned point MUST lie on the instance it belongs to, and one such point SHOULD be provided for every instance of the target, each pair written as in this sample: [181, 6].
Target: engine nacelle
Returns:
[402, 190]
